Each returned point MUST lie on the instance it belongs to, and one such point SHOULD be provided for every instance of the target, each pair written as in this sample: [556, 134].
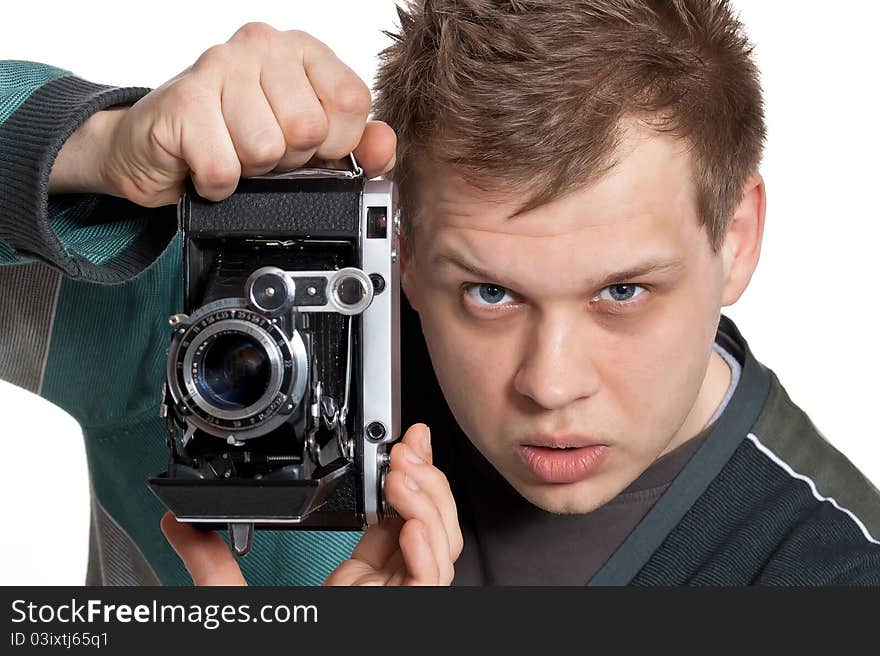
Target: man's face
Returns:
[587, 321]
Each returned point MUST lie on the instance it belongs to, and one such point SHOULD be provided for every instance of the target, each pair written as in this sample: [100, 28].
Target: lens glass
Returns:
[235, 371]
[350, 291]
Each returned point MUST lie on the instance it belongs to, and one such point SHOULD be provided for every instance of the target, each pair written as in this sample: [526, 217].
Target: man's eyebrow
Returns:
[455, 260]
[653, 265]
[659, 265]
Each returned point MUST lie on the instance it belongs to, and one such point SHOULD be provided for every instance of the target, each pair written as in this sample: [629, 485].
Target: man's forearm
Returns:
[79, 165]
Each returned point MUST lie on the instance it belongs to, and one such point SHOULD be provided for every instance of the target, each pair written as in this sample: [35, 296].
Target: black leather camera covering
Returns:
[278, 208]
[223, 242]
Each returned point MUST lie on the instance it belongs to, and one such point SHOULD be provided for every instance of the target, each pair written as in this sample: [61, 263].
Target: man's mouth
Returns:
[562, 441]
[562, 459]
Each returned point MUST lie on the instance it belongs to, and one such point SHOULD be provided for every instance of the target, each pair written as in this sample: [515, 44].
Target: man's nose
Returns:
[556, 367]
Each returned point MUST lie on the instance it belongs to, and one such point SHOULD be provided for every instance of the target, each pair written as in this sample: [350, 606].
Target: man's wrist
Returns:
[79, 167]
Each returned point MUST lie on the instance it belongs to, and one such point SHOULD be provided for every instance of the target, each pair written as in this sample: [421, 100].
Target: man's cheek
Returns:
[475, 372]
[647, 381]
[472, 374]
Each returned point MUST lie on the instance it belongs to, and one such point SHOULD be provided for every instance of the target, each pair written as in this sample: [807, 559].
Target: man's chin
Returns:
[567, 498]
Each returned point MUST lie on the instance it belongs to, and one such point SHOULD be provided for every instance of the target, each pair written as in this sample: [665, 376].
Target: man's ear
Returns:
[407, 273]
[742, 240]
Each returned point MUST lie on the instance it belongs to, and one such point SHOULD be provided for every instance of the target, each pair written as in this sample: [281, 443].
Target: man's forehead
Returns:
[651, 179]
[589, 250]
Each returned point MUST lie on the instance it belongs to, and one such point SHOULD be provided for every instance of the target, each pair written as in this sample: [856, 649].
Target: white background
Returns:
[810, 313]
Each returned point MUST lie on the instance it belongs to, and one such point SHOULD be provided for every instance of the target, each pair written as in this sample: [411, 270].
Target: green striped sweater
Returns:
[87, 285]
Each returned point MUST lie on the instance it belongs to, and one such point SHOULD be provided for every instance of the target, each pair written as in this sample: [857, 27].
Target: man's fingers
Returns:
[208, 150]
[421, 562]
[375, 153]
[344, 96]
[204, 553]
[432, 480]
[418, 438]
[412, 503]
[253, 128]
[297, 110]
[378, 543]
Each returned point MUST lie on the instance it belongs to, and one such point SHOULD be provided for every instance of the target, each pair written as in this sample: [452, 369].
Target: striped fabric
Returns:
[88, 286]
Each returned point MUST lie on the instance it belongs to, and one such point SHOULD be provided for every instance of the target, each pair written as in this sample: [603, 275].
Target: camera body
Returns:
[282, 393]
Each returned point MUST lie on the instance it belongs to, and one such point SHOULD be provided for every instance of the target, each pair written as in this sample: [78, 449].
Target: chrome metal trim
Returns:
[240, 520]
[295, 393]
[263, 339]
[334, 278]
[316, 172]
[289, 290]
[380, 346]
[366, 285]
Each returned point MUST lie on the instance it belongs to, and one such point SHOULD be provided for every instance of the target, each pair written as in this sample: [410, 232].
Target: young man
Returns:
[581, 197]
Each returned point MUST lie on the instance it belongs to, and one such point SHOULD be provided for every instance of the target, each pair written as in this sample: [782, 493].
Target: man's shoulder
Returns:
[830, 508]
[786, 508]
[785, 436]
[790, 508]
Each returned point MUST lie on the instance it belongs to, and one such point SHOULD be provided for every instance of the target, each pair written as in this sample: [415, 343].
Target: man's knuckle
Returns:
[217, 56]
[302, 40]
[353, 97]
[306, 129]
[218, 173]
[256, 32]
[298, 36]
[265, 147]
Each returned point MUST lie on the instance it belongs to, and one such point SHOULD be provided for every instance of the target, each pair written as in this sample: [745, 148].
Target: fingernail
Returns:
[426, 440]
[411, 484]
[412, 456]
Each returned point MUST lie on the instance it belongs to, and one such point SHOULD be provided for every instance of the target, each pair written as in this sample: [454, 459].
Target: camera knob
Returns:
[387, 509]
[270, 290]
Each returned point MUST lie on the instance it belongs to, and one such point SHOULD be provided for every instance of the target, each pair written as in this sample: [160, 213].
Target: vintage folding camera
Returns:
[282, 394]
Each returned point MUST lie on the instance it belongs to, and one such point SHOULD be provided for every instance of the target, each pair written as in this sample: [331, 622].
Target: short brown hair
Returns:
[533, 91]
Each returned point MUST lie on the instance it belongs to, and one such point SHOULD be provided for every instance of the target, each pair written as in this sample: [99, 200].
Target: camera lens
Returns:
[235, 371]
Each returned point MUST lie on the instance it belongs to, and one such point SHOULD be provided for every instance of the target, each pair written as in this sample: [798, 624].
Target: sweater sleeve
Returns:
[89, 280]
[90, 237]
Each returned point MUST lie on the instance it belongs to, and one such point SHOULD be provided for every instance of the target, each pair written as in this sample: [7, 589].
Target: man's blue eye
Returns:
[489, 294]
[621, 293]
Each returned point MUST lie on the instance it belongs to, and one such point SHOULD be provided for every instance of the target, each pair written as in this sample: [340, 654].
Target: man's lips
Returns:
[562, 459]
[562, 441]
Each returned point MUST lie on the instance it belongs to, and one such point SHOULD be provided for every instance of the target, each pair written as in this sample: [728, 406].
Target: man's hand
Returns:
[265, 100]
[417, 548]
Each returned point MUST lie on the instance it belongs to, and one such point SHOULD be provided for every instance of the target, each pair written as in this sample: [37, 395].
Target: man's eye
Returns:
[489, 294]
[620, 293]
